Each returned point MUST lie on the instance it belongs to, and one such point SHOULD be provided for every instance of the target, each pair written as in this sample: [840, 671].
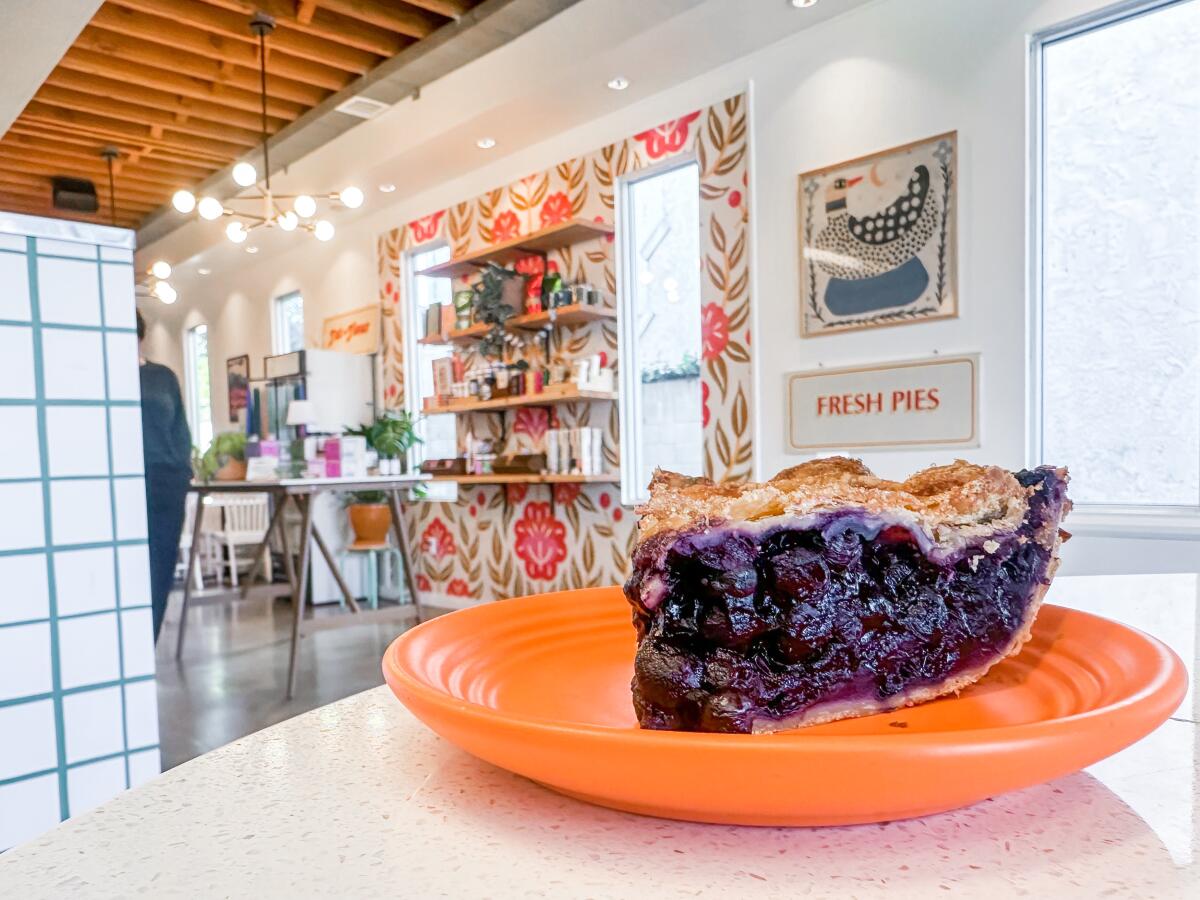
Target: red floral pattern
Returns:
[566, 494]
[714, 330]
[437, 540]
[704, 403]
[515, 493]
[458, 588]
[735, 199]
[533, 422]
[670, 137]
[541, 541]
[423, 583]
[505, 227]
[556, 209]
[426, 229]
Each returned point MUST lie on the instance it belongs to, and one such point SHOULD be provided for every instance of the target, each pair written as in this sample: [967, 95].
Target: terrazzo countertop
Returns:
[359, 799]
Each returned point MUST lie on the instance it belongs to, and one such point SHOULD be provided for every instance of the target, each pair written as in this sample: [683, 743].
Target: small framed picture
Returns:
[878, 239]
[237, 374]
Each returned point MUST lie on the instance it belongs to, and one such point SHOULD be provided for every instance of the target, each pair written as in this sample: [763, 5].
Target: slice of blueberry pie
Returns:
[826, 592]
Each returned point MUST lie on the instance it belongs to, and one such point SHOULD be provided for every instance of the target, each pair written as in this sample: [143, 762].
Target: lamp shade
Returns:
[302, 412]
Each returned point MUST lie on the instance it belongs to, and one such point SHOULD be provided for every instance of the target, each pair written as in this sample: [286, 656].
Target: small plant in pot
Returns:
[391, 436]
[499, 293]
[225, 458]
[370, 516]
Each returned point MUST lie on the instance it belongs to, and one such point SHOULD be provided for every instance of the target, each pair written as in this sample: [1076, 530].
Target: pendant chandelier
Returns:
[303, 212]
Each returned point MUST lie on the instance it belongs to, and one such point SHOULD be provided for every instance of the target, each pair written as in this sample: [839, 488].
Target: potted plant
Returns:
[370, 516]
[498, 294]
[391, 436]
[225, 458]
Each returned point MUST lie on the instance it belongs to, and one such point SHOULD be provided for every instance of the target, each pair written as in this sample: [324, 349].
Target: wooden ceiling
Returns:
[174, 86]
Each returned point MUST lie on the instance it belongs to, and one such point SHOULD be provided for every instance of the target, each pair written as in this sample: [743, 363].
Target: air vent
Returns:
[76, 194]
[362, 107]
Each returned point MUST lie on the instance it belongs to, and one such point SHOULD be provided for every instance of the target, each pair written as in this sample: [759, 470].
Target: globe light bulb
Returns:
[184, 201]
[210, 208]
[245, 174]
[236, 232]
[351, 197]
[287, 221]
[323, 230]
[164, 292]
[304, 206]
[161, 269]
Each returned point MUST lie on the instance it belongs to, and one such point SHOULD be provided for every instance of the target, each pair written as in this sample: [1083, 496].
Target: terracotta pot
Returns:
[370, 522]
[233, 470]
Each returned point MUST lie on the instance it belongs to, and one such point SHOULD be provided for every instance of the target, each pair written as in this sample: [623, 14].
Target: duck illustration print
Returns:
[878, 242]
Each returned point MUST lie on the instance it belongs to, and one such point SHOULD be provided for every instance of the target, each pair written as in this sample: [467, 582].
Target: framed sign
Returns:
[237, 375]
[878, 239]
[356, 331]
[930, 402]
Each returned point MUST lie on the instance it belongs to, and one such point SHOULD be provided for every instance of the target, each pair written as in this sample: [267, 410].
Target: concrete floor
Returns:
[232, 678]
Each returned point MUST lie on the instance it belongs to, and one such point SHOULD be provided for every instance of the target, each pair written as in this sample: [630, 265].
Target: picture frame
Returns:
[879, 239]
[237, 377]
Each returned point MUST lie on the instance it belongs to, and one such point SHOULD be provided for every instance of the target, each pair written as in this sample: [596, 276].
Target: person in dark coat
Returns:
[167, 446]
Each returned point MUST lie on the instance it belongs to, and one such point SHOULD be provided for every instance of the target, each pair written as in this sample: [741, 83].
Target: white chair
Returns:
[244, 521]
[208, 526]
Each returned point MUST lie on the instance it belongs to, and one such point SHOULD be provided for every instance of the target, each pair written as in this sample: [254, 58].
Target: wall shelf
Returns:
[556, 237]
[605, 478]
[546, 398]
[575, 314]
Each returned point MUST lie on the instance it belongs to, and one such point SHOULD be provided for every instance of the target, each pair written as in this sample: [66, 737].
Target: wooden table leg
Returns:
[191, 567]
[405, 556]
[337, 575]
[298, 600]
[289, 566]
[260, 551]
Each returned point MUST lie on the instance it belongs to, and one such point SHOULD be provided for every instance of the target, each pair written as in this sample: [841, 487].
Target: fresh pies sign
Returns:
[927, 403]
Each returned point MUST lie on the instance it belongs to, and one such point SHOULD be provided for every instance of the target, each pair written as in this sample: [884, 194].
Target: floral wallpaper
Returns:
[502, 541]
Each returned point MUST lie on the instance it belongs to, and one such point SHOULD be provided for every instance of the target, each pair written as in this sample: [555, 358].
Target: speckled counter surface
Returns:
[358, 799]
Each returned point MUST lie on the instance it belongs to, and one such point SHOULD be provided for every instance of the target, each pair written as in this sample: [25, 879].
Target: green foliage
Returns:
[225, 446]
[491, 309]
[687, 367]
[391, 435]
[362, 498]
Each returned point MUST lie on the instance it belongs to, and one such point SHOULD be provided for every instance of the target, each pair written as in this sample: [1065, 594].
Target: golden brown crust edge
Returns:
[950, 503]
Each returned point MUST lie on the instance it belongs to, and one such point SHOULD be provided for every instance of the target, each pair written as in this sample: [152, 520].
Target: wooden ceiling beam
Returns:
[185, 87]
[161, 100]
[399, 17]
[305, 9]
[450, 8]
[57, 134]
[64, 98]
[222, 50]
[52, 165]
[118, 132]
[322, 24]
[162, 59]
[45, 189]
[89, 149]
[226, 25]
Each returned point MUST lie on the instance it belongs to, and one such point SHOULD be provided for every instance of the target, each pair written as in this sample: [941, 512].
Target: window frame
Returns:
[278, 329]
[412, 402]
[192, 385]
[1155, 521]
[629, 397]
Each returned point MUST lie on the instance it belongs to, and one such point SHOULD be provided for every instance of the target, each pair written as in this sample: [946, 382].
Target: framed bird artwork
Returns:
[878, 239]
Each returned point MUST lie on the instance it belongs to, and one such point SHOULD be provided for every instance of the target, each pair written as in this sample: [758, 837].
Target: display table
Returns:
[359, 799]
[301, 492]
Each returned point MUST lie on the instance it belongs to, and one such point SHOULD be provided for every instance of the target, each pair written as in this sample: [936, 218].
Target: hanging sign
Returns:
[927, 403]
[356, 331]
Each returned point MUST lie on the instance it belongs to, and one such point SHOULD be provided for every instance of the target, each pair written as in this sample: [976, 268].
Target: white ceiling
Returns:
[34, 34]
[545, 82]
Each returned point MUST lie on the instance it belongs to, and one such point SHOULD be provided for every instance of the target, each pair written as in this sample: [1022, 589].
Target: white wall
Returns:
[880, 75]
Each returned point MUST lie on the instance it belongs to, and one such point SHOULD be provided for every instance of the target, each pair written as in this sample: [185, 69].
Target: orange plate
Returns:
[540, 686]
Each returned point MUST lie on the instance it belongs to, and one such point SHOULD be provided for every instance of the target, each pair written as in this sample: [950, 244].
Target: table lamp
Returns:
[301, 413]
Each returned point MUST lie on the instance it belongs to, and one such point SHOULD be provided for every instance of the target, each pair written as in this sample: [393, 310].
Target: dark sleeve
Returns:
[181, 436]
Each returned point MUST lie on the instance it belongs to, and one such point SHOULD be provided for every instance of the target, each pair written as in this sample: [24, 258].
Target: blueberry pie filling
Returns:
[827, 593]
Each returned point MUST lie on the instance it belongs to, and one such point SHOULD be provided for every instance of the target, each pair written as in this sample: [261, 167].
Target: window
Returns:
[288, 323]
[199, 387]
[438, 433]
[658, 221]
[1116, 318]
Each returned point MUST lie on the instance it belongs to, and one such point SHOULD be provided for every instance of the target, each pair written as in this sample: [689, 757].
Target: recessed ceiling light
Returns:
[803, 4]
[203, 271]
[485, 143]
[251, 249]
[387, 188]
[619, 83]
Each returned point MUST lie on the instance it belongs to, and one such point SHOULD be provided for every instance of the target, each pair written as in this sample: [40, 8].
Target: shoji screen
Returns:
[78, 711]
